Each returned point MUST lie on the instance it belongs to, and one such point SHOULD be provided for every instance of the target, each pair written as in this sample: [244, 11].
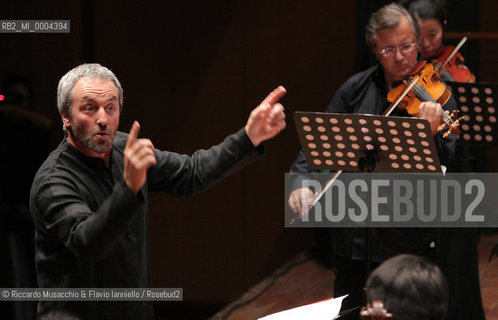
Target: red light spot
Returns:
[2, 97]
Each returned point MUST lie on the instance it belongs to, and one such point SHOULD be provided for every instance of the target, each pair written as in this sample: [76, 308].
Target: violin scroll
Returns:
[375, 311]
[451, 124]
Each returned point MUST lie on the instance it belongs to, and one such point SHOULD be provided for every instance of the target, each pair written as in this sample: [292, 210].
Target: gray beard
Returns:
[86, 139]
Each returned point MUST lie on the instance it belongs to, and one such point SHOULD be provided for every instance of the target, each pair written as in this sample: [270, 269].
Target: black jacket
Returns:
[92, 231]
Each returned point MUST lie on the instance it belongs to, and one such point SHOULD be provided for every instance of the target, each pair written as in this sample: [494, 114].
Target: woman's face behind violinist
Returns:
[431, 37]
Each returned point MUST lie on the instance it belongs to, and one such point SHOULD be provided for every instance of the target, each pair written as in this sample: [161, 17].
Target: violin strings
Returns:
[423, 95]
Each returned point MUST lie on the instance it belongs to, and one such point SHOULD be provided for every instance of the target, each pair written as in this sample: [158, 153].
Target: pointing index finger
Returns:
[275, 95]
[132, 137]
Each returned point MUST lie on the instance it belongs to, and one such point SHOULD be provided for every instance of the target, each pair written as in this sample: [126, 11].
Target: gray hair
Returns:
[387, 17]
[87, 71]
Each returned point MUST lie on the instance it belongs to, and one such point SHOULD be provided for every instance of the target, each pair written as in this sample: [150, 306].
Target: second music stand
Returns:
[477, 103]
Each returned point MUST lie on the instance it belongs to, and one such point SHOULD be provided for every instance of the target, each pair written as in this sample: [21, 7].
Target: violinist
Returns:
[393, 35]
[431, 17]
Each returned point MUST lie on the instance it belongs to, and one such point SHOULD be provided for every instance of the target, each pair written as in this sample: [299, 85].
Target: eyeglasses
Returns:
[391, 51]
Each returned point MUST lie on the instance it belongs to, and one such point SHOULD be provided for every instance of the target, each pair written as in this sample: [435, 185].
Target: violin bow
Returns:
[393, 106]
[329, 183]
[459, 45]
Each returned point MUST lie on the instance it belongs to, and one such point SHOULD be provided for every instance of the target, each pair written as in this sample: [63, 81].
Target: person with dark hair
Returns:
[431, 17]
[393, 35]
[410, 288]
[89, 198]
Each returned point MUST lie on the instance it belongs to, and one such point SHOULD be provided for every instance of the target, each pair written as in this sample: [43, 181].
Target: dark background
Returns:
[192, 71]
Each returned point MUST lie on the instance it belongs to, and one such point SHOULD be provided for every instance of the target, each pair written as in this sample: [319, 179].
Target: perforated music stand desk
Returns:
[353, 142]
[477, 103]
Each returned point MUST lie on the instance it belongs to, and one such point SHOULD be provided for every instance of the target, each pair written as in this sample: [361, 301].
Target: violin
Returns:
[450, 60]
[375, 311]
[455, 66]
[423, 85]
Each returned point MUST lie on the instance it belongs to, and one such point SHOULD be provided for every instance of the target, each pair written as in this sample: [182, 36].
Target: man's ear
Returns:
[65, 120]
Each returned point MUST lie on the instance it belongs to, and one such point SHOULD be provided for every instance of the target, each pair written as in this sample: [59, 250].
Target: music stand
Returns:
[477, 103]
[354, 142]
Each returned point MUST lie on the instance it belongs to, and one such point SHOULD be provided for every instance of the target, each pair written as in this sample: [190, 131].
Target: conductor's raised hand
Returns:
[267, 119]
[138, 157]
